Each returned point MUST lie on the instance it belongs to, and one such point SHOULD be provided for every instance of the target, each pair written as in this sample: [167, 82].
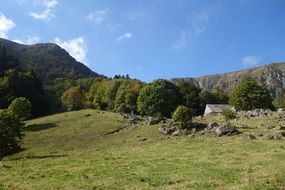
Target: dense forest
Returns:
[118, 94]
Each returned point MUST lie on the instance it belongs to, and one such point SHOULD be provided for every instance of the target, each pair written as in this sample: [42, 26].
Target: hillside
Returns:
[271, 75]
[80, 150]
[47, 60]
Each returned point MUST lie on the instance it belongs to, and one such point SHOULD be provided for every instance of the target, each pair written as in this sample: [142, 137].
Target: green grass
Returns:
[70, 151]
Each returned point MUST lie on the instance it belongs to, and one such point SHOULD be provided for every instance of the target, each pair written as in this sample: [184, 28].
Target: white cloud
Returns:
[50, 3]
[134, 15]
[31, 40]
[98, 16]
[75, 47]
[197, 25]
[18, 41]
[182, 42]
[199, 21]
[47, 14]
[124, 37]
[5, 25]
[251, 60]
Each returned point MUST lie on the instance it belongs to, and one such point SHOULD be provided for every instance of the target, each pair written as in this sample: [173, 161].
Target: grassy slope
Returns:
[69, 151]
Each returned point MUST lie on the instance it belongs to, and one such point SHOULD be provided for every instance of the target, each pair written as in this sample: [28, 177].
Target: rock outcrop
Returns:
[271, 75]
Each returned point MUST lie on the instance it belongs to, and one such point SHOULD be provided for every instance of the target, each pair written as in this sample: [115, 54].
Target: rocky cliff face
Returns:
[271, 75]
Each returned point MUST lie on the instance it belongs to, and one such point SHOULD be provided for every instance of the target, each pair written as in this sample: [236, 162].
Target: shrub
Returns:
[182, 114]
[21, 107]
[279, 103]
[228, 114]
[11, 133]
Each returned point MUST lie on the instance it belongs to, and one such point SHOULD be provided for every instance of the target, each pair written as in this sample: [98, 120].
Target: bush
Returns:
[182, 114]
[228, 114]
[21, 107]
[248, 95]
[279, 103]
[11, 133]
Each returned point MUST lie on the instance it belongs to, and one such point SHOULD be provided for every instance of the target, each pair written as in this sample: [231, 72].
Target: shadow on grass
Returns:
[40, 127]
[38, 157]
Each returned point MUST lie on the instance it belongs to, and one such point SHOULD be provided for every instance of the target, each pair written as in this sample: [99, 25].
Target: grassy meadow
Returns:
[76, 150]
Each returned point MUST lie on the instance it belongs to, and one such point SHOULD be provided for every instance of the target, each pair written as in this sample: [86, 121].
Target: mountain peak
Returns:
[47, 60]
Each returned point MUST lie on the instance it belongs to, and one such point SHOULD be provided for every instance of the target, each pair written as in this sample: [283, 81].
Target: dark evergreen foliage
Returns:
[11, 133]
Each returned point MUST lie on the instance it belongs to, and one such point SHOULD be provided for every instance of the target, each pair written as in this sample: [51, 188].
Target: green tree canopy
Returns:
[190, 94]
[21, 107]
[159, 98]
[248, 95]
[221, 96]
[127, 95]
[73, 98]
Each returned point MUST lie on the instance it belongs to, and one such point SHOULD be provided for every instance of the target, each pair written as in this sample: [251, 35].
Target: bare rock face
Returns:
[212, 126]
[226, 130]
[272, 76]
[177, 81]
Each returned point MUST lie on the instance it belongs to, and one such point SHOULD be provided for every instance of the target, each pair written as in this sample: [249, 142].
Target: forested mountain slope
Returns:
[48, 61]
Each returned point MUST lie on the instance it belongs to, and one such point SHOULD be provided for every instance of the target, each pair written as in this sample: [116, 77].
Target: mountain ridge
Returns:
[271, 75]
[48, 60]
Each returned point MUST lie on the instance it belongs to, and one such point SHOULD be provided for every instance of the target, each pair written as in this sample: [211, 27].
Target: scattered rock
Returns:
[191, 136]
[280, 127]
[258, 112]
[142, 139]
[153, 121]
[276, 135]
[281, 110]
[134, 120]
[249, 137]
[201, 133]
[281, 113]
[185, 132]
[167, 129]
[84, 177]
[124, 116]
[164, 120]
[226, 130]
[176, 132]
[212, 126]
[269, 126]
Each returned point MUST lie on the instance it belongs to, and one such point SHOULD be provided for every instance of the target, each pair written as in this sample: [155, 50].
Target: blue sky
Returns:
[153, 39]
